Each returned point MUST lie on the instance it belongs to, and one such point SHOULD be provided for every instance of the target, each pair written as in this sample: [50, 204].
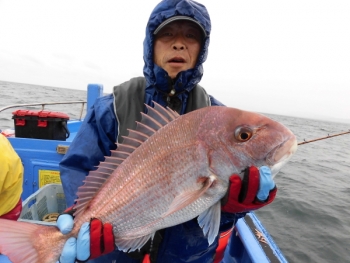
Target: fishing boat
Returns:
[247, 242]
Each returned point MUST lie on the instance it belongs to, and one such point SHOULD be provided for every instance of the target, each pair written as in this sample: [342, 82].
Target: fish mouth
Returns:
[281, 154]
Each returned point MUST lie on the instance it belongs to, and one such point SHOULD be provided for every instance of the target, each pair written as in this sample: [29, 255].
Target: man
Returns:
[175, 48]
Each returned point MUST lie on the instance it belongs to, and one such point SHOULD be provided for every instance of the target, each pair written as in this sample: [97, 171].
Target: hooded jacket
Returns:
[99, 131]
[157, 80]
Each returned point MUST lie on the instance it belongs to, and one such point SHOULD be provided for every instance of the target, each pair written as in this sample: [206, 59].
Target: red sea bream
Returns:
[170, 169]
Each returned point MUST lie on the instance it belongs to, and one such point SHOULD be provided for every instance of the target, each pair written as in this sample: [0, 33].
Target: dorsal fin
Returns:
[166, 112]
[151, 122]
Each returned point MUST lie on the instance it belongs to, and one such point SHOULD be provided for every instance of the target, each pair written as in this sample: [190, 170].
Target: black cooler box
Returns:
[47, 125]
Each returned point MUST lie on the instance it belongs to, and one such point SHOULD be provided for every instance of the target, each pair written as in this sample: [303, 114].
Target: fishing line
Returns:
[323, 138]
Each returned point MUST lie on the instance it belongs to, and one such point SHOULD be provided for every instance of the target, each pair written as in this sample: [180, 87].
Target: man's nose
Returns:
[179, 43]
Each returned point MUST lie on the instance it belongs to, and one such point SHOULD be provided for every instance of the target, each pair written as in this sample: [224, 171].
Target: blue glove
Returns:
[266, 183]
[74, 248]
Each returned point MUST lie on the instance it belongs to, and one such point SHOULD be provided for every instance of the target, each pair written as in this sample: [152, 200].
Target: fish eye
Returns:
[243, 134]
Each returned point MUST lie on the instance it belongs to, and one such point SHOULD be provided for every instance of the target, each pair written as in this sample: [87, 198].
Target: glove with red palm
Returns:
[94, 239]
[254, 191]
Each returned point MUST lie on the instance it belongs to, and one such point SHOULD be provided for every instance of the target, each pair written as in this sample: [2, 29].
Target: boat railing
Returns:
[47, 103]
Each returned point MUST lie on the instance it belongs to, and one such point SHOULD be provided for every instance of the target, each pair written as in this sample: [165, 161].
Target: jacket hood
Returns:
[158, 77]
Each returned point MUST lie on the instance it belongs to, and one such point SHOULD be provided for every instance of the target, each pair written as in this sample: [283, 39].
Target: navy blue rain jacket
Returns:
[98, 133]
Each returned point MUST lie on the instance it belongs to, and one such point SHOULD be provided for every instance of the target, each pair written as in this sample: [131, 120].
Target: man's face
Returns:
[177, 46]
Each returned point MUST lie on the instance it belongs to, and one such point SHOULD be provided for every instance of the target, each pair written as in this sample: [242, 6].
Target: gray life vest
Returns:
[129, 99]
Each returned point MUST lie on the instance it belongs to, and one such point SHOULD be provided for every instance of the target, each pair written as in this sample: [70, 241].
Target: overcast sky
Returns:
[282, 57]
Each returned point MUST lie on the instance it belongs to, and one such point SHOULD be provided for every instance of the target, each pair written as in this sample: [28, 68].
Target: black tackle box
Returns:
[42, 124]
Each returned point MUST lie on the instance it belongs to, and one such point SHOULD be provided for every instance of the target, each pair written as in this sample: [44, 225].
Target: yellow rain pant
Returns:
[11, 176]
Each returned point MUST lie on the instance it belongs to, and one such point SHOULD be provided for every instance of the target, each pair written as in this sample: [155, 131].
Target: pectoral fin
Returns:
[209, 221]
[189, 197]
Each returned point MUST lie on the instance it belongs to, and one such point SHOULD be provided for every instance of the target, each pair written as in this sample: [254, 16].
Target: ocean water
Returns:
[310, 217]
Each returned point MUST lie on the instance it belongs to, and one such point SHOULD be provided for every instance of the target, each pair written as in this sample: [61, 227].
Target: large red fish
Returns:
[169, 170]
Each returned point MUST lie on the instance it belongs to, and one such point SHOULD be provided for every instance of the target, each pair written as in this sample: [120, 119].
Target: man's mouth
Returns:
[176, 60]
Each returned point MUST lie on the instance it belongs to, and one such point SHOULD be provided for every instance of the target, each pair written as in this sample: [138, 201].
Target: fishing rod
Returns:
[322, 138]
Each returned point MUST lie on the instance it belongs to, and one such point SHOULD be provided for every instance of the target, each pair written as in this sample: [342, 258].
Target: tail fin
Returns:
[19, 241]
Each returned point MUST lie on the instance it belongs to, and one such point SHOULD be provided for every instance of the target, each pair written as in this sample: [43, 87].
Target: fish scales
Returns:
[160, 177]
[177, 174]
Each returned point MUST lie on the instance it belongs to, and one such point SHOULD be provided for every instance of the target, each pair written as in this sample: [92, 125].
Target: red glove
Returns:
[241, 195]
[101, 238]
[101, 235]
